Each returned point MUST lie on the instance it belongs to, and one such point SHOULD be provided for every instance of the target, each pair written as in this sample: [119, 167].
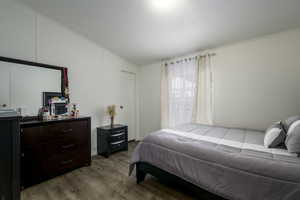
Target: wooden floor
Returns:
[105, 179]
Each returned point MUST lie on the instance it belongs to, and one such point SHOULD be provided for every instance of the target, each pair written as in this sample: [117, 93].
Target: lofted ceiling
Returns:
[144, 31]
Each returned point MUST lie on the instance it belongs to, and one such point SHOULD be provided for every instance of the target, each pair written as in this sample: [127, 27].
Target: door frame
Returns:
[136, 110]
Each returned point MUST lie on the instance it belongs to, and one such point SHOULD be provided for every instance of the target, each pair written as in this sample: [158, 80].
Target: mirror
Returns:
[22, 86]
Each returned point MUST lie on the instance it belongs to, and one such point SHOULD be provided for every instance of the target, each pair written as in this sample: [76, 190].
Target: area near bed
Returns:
[233, 163]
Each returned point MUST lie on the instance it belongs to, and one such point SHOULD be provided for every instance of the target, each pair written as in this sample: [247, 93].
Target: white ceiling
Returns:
[140, 33]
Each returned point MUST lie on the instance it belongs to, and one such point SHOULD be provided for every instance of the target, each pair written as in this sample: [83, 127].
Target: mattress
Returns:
[232, 163]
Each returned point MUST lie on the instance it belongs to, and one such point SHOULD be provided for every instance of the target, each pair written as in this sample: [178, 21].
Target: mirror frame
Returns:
[35, 64]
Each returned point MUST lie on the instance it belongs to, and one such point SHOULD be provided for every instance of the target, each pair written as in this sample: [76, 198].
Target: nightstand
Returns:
[112, 139]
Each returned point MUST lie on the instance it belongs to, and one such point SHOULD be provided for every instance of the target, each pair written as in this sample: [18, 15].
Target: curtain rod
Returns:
[189, 58]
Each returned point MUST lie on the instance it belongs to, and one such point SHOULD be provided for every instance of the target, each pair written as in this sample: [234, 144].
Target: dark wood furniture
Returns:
[53, 147]
[9, 157]
[143, 168]
[112, 139]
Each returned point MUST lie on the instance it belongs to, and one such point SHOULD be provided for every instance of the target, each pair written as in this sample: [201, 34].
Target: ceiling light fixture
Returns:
[165, 5]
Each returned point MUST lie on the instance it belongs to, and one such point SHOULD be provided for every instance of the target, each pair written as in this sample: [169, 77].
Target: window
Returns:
[182, 91]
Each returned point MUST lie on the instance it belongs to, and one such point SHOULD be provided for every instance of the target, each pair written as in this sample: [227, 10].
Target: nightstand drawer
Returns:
[117, 131]
[116, 146]
[116, 137]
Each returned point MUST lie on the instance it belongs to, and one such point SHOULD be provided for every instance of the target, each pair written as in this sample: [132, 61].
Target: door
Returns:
[4, 85]
[128, 103]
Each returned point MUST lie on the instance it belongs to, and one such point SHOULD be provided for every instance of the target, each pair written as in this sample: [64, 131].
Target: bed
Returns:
[231, 163]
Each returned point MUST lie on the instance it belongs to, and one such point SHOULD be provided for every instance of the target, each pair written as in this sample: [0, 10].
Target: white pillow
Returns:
[274, 136]
[289, 121]
[292, 141]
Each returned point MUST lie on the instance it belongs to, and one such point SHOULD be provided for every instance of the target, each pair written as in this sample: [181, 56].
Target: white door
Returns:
[4, 85]
[128, 103]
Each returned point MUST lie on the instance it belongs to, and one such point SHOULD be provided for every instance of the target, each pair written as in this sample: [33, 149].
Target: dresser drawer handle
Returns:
[68, 146]
[115, 143]
[66, 162]
[67, 130]
[116, 135]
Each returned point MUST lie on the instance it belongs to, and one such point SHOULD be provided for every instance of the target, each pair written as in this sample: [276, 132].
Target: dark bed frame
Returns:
[143, 168]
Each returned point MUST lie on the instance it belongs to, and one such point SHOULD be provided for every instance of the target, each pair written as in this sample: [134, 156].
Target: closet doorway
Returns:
[128, 103]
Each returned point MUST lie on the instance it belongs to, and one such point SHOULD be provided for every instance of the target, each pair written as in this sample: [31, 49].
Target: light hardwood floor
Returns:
[105, 179]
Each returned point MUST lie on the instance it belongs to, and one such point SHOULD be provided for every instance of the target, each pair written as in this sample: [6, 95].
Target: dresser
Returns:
[112, 139]
[53, 147]
[9, 157]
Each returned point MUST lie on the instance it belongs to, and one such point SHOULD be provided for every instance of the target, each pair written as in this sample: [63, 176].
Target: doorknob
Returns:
[121, 107]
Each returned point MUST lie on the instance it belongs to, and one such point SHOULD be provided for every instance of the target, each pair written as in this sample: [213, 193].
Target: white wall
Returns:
[94, 72]
[256, 83]
[150, 77]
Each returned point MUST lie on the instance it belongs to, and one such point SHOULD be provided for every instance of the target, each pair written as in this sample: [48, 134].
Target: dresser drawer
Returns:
[31, 136]
[64, 162]
[61, 146]
[59, 129]
[76, 130]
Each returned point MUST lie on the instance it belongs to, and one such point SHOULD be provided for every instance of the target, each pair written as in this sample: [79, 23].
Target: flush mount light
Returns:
[165, 5]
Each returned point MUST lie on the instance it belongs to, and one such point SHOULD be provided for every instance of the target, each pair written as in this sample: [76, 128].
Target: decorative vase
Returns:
[112, 121]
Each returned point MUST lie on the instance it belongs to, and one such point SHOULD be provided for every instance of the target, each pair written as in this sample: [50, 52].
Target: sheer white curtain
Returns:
[181, 86]
[204, 113]
[186, 92]
[164, 97]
